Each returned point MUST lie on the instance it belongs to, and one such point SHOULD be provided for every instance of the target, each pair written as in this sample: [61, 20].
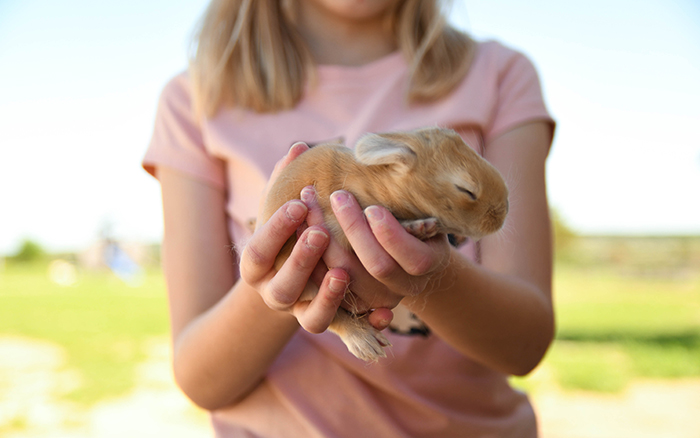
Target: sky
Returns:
[80, 79]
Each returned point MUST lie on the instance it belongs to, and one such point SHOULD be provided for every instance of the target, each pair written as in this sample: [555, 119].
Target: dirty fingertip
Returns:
[381, 318]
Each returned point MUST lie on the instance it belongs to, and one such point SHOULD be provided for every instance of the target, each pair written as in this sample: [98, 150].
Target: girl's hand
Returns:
[281, 290]
[388, 263]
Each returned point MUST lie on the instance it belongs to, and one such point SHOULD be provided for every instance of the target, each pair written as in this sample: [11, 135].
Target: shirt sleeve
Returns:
[177, 140]
[519, 97]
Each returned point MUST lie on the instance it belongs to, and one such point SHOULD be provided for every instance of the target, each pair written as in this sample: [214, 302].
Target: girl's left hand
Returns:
[388, 263]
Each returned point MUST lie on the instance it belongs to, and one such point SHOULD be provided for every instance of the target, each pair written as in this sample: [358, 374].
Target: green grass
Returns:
[590, 366]
[612, 328]
[101, 322]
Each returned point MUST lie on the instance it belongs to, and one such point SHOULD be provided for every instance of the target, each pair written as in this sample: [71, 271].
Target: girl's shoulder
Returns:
[492, 56]
[177, 90]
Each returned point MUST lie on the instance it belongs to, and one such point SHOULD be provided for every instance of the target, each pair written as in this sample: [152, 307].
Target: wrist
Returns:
[440, 283]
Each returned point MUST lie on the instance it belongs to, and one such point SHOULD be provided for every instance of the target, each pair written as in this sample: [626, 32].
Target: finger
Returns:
[284, 289]
[260, 252]
[358, 232]
[334, 252]
[315, 215]
[366, 289]
[297, 149]
[416, 257]
[317, 315]
[380, 318]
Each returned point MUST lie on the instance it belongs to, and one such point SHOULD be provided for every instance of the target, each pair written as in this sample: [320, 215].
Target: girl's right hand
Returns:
[281, 290]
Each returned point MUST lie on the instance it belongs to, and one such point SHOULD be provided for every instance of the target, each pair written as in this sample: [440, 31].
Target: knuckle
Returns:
[355, 226]
[278, 228]
[252, 256]
[276, 298]
[420, 266]
[382, 268]
[329, 304]
[388, 236]
[301, 262]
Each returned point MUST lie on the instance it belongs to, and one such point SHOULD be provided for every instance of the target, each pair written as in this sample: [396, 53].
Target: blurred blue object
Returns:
[121, 264]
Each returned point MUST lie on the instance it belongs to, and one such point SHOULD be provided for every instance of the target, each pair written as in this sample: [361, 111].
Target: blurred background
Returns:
[83, 323]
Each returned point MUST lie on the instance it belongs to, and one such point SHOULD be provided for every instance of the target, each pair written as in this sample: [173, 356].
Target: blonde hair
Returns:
[248, 54]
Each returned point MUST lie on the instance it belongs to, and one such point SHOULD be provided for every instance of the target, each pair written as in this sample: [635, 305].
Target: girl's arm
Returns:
[224, 336]
[500, 312]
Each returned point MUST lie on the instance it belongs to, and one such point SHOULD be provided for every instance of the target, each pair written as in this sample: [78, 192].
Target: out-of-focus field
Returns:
[102, 323]
[628, 310]
[613, 328]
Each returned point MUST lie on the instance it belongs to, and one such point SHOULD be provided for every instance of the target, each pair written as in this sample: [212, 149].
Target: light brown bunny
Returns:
[429, 179]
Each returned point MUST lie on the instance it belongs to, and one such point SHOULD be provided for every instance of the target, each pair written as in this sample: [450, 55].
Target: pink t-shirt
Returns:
[316, 388]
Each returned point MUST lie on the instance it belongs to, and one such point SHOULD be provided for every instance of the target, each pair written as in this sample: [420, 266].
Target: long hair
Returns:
[248, 54]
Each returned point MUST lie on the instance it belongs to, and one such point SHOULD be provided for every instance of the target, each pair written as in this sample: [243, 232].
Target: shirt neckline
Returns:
[376, 68]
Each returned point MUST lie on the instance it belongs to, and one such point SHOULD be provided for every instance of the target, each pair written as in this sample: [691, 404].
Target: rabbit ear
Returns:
[387, 149]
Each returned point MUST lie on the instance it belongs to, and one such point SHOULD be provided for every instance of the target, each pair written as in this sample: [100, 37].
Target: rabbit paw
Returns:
[363, 341]
[367, 345]
[422, 228]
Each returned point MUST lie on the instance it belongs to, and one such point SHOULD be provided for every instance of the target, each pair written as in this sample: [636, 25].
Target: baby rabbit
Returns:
[429, 179]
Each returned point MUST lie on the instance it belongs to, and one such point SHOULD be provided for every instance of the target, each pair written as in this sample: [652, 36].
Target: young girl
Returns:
[268, 74]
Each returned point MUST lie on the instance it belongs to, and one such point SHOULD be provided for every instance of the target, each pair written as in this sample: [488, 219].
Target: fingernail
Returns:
[338, 286]
[374, 214]
[297, 145]
[384, 322]
[316, 239]
[295, 210]
[340, 200]
[308, 195]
